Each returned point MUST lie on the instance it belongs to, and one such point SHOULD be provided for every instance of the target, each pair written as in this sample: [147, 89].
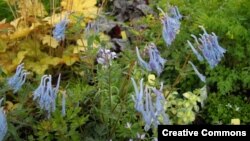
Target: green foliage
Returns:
[5, 11]
[98, 98]
[221, 109]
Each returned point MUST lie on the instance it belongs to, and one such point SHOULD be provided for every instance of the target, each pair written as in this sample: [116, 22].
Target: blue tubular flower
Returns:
[46, 95]
[145, 108]
[159, 104]
[201, 76]
[144, 105]
[171, 24]
[58, 32]
[141, 61]
[149, 112]
[198, 55]
[210, 48]
[3, 122]
[156, 62]
[16, 81]
[174, 11]
[139, 96]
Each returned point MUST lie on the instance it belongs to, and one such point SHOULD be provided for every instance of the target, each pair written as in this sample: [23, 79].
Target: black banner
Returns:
[165, 131]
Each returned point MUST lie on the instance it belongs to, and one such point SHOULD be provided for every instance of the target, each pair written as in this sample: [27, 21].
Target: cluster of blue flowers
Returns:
[18, 79]
[171, 24]
[209, 46]
[105, 57]
[46, 95]
[58, 32]
[3, 122]
[156, 62]
[150, 110]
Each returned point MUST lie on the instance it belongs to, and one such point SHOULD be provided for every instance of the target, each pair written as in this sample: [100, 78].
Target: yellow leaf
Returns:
[151, 79]
[31, 8]
[37, 67]
[15, 22]
[68, 57]
[22, 31]
[124, 35]
[55, 18]
[9, 105]
[19, 58]
[235, 121]
[85, 7]
[52, 42]
[51, 60]
[78, 49]
[3, 21]
[70, 60]
[3, 46]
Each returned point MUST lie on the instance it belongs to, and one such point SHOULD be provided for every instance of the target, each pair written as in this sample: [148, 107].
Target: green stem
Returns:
[178, 78]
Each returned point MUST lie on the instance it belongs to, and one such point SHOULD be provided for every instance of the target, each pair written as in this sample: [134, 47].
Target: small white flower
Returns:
[142, 136]
[229, 105]
[237, 108]
[128, 125]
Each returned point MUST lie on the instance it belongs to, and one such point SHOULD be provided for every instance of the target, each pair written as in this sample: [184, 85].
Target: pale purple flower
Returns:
[156, 62]
[159, 104]
[138, 98]
[149, 110]
[3, 122]
[144, 104]
[201, 76]
[174, 12]
[105, 57]
[15, 82]
[59, 30]
[91, 28]
[171, 24]
[198, 55]
[46, 95]
[210, 48]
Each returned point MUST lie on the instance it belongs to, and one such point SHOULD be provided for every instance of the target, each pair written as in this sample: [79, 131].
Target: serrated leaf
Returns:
[31, 8]
[49, 40]
[85, 7]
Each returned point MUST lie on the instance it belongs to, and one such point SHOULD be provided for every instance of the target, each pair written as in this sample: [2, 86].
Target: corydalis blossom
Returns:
[201, 76]
[16, 81]
[144, 104]
[3, 122]
[209, 46]
[46, 95]
[156, 62]
[105, 57]
[171, 24]
[159, 104]
[58, 32]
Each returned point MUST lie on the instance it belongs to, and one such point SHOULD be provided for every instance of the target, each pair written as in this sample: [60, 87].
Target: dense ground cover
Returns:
[114, 70]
